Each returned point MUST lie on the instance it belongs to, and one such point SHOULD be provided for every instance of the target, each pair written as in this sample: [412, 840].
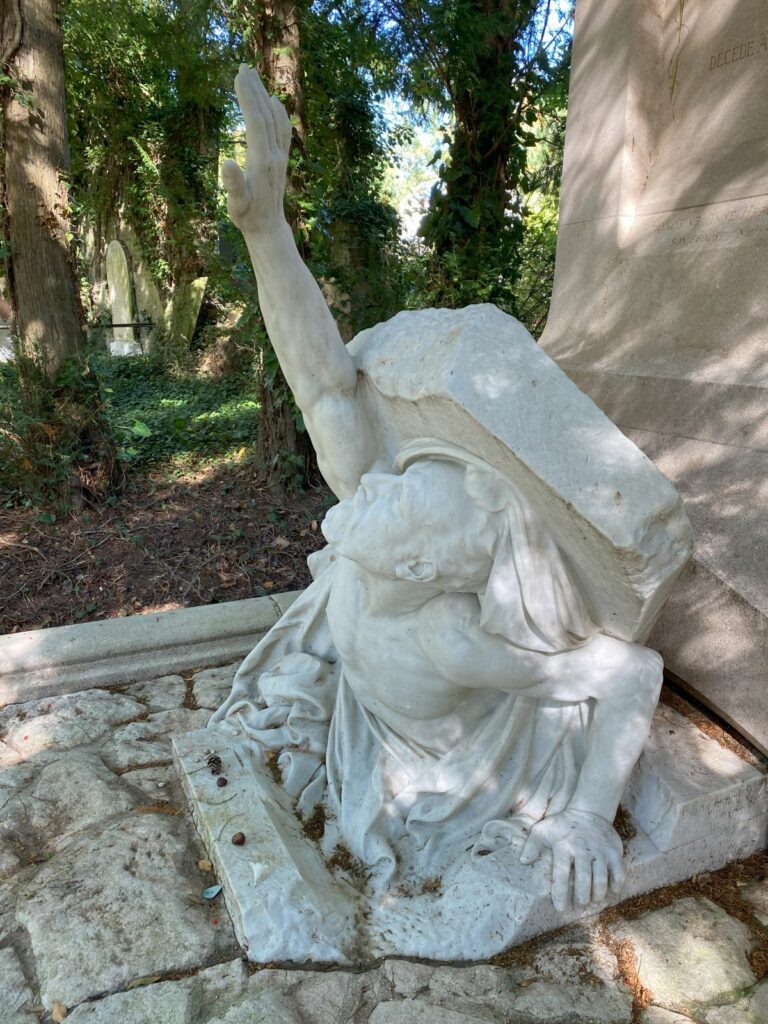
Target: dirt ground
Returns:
[207, 536]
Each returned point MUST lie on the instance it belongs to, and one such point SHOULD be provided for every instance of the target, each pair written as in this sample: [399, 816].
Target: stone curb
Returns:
[65, 659]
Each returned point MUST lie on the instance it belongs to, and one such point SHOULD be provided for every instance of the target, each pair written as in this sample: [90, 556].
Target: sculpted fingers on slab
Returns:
[585, 851]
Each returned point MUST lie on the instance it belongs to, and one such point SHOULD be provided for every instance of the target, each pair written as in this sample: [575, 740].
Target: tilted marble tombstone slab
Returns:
[659, 310]
[476, 376]
[438, 733]
[123, 341]
[184, 308]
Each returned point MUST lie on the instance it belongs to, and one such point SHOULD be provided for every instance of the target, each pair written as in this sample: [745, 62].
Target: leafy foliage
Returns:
[158, 417]
[54, 431]
[151, 116]
[355, 236]
[487, 63]
[170, 415]
[149, 86]
[536, 254]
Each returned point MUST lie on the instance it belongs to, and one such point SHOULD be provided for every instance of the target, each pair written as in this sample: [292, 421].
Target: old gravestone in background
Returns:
[660, 305]
[6, 346]
[123, 341]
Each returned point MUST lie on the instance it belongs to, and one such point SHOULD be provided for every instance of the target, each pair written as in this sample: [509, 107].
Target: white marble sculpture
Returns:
[461, 677]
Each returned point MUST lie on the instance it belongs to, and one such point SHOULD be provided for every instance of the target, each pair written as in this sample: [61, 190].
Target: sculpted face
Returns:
[419, 525]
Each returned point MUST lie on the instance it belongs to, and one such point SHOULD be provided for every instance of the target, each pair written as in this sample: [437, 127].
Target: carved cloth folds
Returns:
[395, 805]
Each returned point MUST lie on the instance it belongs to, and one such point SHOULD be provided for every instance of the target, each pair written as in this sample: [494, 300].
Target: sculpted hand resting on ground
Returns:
[584, 844]
[473, 687]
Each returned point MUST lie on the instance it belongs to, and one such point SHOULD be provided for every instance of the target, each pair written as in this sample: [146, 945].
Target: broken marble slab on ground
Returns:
[692, 805]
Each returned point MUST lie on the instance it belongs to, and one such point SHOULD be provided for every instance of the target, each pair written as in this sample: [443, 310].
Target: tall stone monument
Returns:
[659, 309]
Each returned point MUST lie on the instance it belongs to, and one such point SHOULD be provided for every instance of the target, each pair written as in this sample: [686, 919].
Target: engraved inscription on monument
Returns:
[697, 179]
[730, 224]
[739, 51]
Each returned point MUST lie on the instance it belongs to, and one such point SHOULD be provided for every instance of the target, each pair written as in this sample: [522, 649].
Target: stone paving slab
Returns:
[15, 994]
[101, 906]
[54, 798]
[756, 895]
[145, 742]
[161, 694]
[691, 954]
[61, 723]
[211, 688]
[118, 903]
[397, 991]
[156, 782]
[196, 997]
[751, 1009]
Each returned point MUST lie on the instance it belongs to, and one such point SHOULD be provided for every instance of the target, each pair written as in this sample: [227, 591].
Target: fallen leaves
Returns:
[192, 541]
[141, 982]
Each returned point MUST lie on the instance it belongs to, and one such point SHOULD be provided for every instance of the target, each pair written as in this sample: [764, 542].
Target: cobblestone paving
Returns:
[102, 917]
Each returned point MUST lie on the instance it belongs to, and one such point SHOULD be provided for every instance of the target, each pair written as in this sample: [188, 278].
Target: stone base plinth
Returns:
[694, 806]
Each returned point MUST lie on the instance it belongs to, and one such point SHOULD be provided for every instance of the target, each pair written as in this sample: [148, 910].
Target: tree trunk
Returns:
[278, 48]
[41, 280]
[190, 149]
[65, 444]
[474, 223]
[286, 452]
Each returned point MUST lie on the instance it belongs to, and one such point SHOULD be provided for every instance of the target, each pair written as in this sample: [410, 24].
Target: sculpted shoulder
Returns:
[469, 655]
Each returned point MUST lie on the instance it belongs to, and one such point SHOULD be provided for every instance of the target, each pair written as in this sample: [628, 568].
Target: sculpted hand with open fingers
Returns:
[255, 197]
[586, 853]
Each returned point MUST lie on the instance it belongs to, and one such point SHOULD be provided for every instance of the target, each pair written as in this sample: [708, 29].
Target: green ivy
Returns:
[159, 417]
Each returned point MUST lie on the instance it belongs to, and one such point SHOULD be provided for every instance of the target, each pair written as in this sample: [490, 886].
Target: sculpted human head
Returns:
[419, 525]
[447, 519]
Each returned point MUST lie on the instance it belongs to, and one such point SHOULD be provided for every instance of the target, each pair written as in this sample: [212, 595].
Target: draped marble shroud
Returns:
[400, 808]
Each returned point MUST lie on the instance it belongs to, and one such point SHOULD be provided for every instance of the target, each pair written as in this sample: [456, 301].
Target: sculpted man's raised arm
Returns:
[313, 357]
